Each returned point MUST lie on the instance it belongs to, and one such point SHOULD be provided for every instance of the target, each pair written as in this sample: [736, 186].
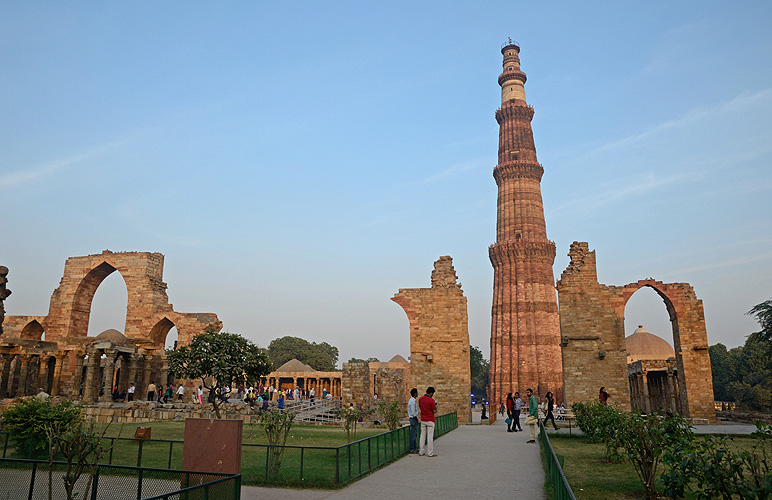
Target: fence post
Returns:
[171, 444]
[337, 465]
[237, 488]
[267, 453]
[139, 483]
[112, 446]
[5, 446]
[301, 462]
[95, 485]
[32, 480]
[139, 453]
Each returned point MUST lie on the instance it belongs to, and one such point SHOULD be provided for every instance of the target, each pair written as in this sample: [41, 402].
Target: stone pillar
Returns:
[6, 371]
[43, 373]
[109, 374]
[60, 359]
[164, 370]
[78, 377]
[25, 360]
[294, 383]
[131, 372]
[645, 392]
[90, 392]
[147, 376]
[671, 390]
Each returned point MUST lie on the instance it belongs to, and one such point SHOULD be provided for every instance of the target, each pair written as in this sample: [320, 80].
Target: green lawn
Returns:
[592, 478]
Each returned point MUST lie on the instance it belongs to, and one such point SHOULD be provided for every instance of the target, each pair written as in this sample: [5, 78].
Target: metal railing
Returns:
[300, 466]
[560, 486]
[30, 479]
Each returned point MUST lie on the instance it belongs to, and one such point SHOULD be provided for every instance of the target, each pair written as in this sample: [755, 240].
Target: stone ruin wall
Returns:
[149, 318]
[439, 339]
[592, 320]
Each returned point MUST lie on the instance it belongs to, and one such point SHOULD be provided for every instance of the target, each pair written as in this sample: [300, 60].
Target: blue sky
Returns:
[297, 163]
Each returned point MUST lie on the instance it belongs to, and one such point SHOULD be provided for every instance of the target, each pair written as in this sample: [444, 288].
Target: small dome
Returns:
[294, 365]
[113, 336]
[644, 345]
[398, 359]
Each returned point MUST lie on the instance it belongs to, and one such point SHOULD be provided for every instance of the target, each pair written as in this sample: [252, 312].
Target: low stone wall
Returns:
[142, 411]
[746, 417]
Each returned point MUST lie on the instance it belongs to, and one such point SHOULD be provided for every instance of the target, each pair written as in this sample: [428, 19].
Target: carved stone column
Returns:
[132, 368]
[164, 370]
[645, 387]
[109, 373]
[60, 359]
[146, 376]
[22, 385]
[77, 377]
[43, 370]
[6, 371]
[92, 374]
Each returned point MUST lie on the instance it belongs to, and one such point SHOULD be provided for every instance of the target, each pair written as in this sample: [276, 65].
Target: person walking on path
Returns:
[550, 407]
[130, 391]
[533, 414]
[428, 409]
[516, 413]
[151, 391]
[412, 413]
[180, 392]
[510, 410]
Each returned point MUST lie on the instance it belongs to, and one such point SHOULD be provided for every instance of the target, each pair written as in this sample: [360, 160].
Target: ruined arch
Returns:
[593, 337]
[84, 296]
[33, 330]
[161, 330]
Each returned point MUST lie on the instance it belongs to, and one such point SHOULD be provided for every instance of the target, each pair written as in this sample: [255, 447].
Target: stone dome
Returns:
[113, 336]
[398, 359]
[644, 345]
[294, 365]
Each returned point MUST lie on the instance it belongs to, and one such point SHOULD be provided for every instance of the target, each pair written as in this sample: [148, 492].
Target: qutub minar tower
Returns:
[525, 324]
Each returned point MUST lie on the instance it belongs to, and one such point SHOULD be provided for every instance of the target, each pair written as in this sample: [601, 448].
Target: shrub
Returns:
[28, 418]
[391, 413]
[277, 426]
[599, 423]
[709, 468]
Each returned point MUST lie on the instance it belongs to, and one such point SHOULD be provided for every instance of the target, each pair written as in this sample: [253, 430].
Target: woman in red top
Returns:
[510, 411]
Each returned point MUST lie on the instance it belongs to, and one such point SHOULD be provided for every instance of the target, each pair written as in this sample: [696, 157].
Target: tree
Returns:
[360, 360]
[322, 357]
[480, 372]
[277, 426]
[752, 384]
[27, 419]
[219, 359]
[763, 313]
[721, 366]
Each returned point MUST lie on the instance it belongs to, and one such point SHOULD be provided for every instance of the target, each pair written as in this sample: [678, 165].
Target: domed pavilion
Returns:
[651, 369]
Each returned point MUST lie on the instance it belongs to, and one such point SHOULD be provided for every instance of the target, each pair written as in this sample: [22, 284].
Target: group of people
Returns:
[514, 405]
[422, 411]
[160, 394]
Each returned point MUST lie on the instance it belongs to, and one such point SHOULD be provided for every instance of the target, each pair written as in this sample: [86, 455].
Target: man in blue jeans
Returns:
[412, 413]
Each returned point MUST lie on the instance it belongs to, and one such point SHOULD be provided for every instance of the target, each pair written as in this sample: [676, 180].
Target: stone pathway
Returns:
[472, 461]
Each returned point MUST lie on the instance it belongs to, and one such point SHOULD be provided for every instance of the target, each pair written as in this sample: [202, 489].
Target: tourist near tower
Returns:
[525, 325]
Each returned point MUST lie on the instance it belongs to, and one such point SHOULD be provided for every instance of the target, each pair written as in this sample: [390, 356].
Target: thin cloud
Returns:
[454, 170]
[751, 259]
[616, 192]
[695, 115]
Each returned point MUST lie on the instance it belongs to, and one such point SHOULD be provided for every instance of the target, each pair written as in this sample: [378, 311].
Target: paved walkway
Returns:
[472, 461]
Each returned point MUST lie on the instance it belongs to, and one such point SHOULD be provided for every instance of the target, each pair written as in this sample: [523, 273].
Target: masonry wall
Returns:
[439, 339]
[592, 320]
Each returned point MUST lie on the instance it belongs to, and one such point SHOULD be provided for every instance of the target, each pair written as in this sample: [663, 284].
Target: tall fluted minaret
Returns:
[525, 326]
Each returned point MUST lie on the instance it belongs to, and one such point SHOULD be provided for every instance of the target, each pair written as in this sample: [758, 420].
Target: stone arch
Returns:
[84, 296]
[160, 330]
[33, 331]
[593, 339]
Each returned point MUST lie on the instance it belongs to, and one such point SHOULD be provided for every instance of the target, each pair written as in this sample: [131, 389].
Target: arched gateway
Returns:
[68, 362]
[593, 339]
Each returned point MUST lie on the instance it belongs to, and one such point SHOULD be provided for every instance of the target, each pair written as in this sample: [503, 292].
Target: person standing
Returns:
[533, 414]
[151, 392]
[516, 413]
[603, 396]
[312, 394]
[428, 408]
[510, 411]
[130, 391]
[180, 392]
[412, 413]
[550, 407]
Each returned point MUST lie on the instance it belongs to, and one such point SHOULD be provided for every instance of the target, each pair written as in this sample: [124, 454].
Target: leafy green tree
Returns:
[321, 357]
[712, 467]
[480, 372]
[28, 418]
[751, 385]
[391, 413]
[219, 359]
[763, 313]
[360, 360]
[277, 426]
[721, 366]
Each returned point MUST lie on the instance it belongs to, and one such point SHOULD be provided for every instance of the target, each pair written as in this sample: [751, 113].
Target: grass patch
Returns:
[592, 478]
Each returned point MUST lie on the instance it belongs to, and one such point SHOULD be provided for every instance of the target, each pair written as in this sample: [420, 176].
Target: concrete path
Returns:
[472, 461]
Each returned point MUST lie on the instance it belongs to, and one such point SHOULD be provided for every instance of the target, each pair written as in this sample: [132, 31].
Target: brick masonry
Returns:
[439, 339]
[593, 337]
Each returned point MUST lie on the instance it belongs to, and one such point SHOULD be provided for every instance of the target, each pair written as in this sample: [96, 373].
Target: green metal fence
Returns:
[30, 479]
[309, 466]
[560, 486]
